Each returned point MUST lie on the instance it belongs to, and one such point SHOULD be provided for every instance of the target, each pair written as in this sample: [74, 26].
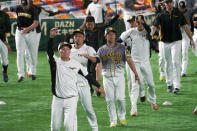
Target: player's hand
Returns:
[193, 44]
[101, 90]
[137, 78]
[8, 46]
[53, 32]
[25, 30]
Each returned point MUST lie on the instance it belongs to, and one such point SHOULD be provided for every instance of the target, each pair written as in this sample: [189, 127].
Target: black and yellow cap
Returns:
[194, 18]
[78, 31]
[132, 18]
[25, 2]
[182, 4]
[109, 29]
[139, 17]
[62, 44]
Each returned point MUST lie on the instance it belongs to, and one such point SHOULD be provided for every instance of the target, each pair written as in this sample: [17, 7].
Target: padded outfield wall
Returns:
[65, 26]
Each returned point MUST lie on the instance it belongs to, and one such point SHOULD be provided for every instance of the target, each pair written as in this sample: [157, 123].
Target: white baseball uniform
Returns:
[3, 53]
[161, 59]
[140, 53]
[83, 86]
[64, 102]
[195, 41]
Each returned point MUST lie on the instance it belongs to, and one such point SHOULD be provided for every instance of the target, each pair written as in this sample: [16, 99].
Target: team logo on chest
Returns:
[24, 15]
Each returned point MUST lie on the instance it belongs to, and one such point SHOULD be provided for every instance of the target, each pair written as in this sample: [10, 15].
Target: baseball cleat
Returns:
[183, 75]
[21, 79]
[143, 98]
[123, 122]
[176, 91]
[33, 77]
[5, 77]
[169, 89]
[162, 78]
[133, 114]
[113, 125]
[155, 106]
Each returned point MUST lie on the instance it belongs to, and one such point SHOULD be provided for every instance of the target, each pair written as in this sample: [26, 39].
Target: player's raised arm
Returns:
[53, 33]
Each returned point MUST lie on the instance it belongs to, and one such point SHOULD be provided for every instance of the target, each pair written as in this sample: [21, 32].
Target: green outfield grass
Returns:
[28, 105]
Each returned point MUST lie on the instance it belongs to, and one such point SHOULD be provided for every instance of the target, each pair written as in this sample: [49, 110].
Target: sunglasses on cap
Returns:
[195, 19]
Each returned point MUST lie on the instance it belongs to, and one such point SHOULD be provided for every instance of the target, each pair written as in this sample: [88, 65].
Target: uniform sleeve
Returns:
[125, 35]
[91, 52]
[35, 14]
[183, 20]
[8, 24]
[83, 69]
[88, 11]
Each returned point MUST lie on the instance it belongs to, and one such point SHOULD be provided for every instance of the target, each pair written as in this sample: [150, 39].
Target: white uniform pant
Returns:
[64, 108]
[129, 82]
[161, 59]
[172, 65]
[144, 71]
[115, 91]
[86, 101]
[30, 41]
[3, 53]
[185, 58]
[28, 60]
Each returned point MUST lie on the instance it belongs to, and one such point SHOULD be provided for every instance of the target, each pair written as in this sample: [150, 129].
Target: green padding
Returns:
[65, 26]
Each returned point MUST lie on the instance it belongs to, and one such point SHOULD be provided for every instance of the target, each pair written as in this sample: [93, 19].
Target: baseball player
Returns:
[64, 77]
[185, 40]
[5, 28]
[171, 37]
[137, 39]
[113, 56]
[42, 13]
[133, 24]
[27, 21]
[82, 53]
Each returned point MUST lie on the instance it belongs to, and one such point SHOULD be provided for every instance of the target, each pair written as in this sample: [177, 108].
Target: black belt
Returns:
[22, 29]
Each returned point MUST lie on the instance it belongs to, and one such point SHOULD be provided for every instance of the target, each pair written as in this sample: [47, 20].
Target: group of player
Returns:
[71, 74]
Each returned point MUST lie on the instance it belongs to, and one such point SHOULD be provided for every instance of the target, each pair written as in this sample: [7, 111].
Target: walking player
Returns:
[113, 56]
[27, 21]
[64, 77]
[137, 39]
[170, 22]
[5, 28]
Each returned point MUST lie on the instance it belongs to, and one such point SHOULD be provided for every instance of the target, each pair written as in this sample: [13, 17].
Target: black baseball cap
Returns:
[62, 44]
[78, 31]
[139, 17]
[90, 19]
[182, 4]
[24, 2]
[109, 29]
[132, 18]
